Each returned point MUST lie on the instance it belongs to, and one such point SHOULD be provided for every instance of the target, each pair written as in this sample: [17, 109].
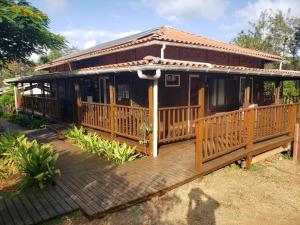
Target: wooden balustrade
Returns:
[177, 123]
[270, 121]
[40, 105]
[221, 134]
[94, 115]
[226, 132]
[127, 119]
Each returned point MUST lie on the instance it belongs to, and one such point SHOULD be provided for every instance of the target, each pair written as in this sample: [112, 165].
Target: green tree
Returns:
[23, 31]
[15, 69]
[279, 34]
[273, 33]
[56, 53]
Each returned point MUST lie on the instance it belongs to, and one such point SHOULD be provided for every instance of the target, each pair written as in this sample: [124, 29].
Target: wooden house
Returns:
[164, 77]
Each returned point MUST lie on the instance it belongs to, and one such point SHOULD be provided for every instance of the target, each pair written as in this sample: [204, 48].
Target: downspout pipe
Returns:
[155, 105]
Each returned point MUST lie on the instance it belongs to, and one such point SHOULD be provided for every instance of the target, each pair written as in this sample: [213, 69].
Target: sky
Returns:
[87, 23]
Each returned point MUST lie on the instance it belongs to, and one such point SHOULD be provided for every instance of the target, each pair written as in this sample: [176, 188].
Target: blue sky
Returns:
[86, 23]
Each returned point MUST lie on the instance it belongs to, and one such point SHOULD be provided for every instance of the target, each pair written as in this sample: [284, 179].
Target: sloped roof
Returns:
[162, 34]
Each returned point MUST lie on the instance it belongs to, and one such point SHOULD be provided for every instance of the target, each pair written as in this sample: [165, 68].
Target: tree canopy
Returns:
[24, 31]
[55, 54]
[274, 32]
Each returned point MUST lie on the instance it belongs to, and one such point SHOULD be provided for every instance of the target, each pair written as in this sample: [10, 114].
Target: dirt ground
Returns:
[269, 193]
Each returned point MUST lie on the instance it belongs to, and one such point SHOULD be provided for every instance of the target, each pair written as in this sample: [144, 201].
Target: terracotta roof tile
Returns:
[166, 34]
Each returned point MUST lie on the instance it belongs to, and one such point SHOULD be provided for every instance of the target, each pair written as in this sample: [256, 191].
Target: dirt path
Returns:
[267, 194]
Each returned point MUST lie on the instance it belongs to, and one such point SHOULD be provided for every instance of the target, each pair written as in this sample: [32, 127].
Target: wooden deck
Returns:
[98, 187]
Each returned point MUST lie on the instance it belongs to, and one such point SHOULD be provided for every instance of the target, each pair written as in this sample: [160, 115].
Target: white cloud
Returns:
[177, 10]
[34, 57]
[253, 9]
[55, 5]
[86, 38]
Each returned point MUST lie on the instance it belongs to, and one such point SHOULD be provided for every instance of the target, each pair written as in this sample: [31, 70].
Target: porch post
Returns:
[112, 102]
[44, 102]
[32, 99]
[150, 105]
[155, 117]
[247, 93]
[277, 92]
[78, 103]
[17, 97]
[57, 98]
[201, 97]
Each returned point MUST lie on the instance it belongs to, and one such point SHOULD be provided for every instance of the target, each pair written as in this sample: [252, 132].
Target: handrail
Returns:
[223, 133]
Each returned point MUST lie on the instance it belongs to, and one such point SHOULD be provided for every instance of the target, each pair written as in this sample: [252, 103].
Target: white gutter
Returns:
[155, 100]
[280, 65]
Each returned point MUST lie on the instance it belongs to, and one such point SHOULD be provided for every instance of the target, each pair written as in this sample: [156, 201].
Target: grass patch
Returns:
[287, 155]
[62, 219]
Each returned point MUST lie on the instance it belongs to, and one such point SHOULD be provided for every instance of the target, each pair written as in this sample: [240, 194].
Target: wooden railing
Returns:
[221, 134]
[126, 119]
[177, 123]
[226, 132]
[94, 115]
[270, 121]
[41, 105]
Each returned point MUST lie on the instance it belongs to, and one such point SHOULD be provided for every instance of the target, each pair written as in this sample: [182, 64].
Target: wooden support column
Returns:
[78, 104]
[17, 98]
[151, 113]
[296, 146]
[247, 93]
[44, 102]
[32, 100]
[57, 98]
[277, 92]
[112, 102]
[199, 146]
[201, 97]
[249, 123]
[292, 111]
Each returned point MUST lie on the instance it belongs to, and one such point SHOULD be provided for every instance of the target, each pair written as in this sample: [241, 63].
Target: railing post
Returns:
[201, 98]
[78, 104]
[296, 147]
[44, 102]
[249, 124]
[199, 146]
[150, 105]
[112, 102]
[292, 110]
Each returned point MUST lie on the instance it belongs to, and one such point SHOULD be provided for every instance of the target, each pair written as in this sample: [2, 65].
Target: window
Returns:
[218, 93]
[172, 80]
[123, 91]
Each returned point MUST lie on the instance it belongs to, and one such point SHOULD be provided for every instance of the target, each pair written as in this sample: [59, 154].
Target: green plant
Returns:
[146, 128]
[92, 143]
[37, 162]
[27, 121]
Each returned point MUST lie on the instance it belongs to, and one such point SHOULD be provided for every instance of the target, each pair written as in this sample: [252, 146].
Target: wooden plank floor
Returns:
[97, 186]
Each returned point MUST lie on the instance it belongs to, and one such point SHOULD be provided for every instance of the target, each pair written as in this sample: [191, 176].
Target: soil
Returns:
[268, 193]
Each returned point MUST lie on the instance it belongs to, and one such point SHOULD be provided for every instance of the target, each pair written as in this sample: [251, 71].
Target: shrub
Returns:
[92, 143]
[27, 121]
[36, 161]
[7, 101]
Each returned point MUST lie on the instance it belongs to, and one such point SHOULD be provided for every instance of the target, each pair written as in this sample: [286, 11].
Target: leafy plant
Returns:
[146, 128]
[92, 143]
[27, 121]
[37, 162]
